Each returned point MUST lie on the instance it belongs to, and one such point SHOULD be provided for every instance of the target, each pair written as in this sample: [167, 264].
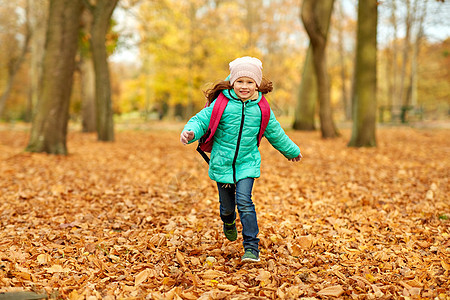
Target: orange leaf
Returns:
[334, 291]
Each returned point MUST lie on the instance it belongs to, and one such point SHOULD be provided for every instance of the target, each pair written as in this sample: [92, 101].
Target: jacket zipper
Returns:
[238, 142]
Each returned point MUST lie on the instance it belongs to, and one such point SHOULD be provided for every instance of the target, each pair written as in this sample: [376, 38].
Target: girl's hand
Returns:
[186, 136]
[298, 158]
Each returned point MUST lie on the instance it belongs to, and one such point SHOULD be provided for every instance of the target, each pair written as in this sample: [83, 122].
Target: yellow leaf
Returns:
[370, 277]
[43, 258]
[212, 282]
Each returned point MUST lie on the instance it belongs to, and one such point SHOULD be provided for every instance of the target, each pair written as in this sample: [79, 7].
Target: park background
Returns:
[125, 211]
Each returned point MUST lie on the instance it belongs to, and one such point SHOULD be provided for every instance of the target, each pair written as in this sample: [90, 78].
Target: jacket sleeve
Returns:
[199, 123]
[279, 140]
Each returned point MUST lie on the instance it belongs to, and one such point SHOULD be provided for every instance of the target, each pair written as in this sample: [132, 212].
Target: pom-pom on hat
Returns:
[246, 67]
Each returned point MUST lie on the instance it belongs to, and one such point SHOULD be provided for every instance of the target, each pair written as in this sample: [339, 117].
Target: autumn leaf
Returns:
[180, 258]
[141, 277]
[305, 242]
[264, 277]
[43, 258]
[139, 218]
[57, 269]
[334, 291]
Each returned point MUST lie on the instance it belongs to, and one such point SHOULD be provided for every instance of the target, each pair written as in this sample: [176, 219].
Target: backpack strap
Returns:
[265, 116]
[216, 115]
[206, 141]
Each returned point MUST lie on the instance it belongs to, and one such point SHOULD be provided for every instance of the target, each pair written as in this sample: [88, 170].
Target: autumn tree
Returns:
[17, 52]
[345, 97]
[87, 77]
[188, 44]
[50, 121]
[38, 21]
[313, 15]
[101, 11]
[364, 94]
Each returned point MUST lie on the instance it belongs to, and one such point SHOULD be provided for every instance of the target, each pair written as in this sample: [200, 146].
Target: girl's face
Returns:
[244, 87]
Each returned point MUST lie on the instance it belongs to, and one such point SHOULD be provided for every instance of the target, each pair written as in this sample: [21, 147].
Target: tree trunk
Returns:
[346, 104]
[364, 97]
[393, 88]
[102, 12]
[39, 11]
[87, 82]
[416, 51]
[415, 55]
[305, 111]
[49, 128]
[316, 17]
[250, 22]
[402, 97]
[87, 79]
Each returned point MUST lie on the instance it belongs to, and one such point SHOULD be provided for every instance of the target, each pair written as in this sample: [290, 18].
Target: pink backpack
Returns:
[207, 140]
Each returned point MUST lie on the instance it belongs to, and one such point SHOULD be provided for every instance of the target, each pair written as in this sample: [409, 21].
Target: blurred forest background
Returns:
[163, 53]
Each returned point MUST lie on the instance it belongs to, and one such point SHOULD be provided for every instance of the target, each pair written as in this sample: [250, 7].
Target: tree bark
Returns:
[305, 111]
[364, 97]
[87, 79]
[49, 127]
[406, 52]
[88, 115]
[392, 66]
[315, 16]
[415, 55]
[102, 12]
[39, 12]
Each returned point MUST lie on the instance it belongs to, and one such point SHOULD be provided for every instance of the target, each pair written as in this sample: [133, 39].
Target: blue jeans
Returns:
[240, 195]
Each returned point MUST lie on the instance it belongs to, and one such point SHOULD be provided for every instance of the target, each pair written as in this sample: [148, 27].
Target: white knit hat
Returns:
[246, 67]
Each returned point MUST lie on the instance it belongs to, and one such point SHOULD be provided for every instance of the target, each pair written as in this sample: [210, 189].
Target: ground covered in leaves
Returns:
[138, 218]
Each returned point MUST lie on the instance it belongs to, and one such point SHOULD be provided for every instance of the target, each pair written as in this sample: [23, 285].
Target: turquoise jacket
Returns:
[235, 154]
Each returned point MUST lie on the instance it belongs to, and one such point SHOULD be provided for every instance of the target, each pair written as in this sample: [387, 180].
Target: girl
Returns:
[235, 158]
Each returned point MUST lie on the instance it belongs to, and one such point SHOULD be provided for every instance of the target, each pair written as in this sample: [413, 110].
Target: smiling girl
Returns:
[235, 158]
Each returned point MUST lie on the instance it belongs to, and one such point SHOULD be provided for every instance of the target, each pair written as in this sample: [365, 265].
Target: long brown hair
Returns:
[211, 94]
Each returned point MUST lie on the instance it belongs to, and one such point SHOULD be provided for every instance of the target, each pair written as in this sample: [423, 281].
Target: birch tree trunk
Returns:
[50, 121]
[364, 97]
